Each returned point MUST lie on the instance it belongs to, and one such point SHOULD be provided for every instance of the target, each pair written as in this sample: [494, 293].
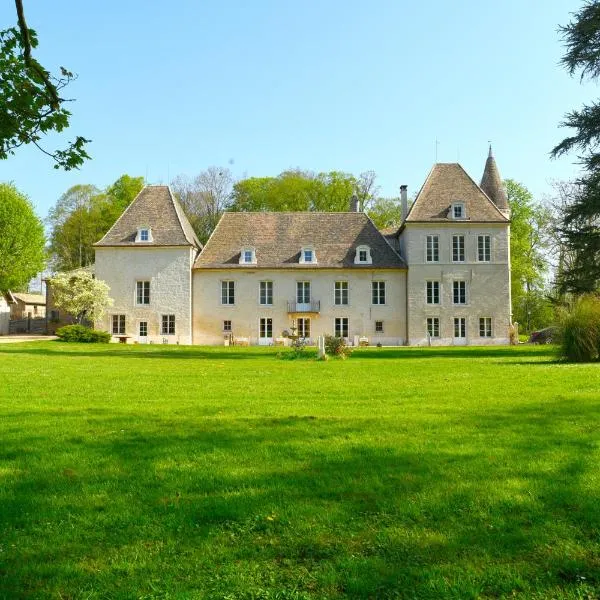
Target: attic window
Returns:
[363, 256]
[457, 211]
[248, 256]
[144, 234]
[307, 255]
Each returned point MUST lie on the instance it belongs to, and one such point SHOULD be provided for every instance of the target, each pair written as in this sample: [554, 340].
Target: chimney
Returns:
[354, 203]
[404, 202]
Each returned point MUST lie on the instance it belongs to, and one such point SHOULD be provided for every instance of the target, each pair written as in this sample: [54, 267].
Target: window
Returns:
[433, 292]
[433, 248]
[227, 292]
[341, 327]
[458, 248]
[168, 325]
[433, 327]
[363, 256]
[304, 328]
[341, 293]
[485, 327]
[378, 289]
[307, 255]
[303, 292]
[460, 327]
[144, 234]
[226, 325]
[457, 210]
[484, 248]
[142, 292]
[118, 324]
[143, 329]
[266, 293]
[247, 256]
[378, 326]
[459, 292]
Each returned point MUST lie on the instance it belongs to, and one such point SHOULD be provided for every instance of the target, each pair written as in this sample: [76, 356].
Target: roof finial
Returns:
[490, 155]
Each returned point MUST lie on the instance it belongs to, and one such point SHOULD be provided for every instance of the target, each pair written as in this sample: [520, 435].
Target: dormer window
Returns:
[144, 234]
[457, 211]
[363, 256]
[307, 255]
[248, 256]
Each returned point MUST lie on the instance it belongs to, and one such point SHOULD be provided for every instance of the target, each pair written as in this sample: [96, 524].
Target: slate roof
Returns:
[491, 183]
[154, 207]
[278, 238]
[448, 183]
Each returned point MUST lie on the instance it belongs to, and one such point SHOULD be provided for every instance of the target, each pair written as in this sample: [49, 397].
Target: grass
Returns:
[176, 473]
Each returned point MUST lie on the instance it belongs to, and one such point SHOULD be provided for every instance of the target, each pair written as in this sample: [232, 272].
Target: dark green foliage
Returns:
[80, 333]
[580, 330]
[336, 346]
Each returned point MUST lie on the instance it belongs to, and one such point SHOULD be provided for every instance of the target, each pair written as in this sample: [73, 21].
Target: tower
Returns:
[491, 184]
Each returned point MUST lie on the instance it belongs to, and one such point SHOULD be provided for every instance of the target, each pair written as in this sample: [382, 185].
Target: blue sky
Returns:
[262, 86]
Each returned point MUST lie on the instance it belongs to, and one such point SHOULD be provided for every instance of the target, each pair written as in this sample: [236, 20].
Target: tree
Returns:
[580, 228]
[82, 215]
[386, 213]
[22, 241]
[81, 295]
[204, 198]
[31, 100]
[530, 222]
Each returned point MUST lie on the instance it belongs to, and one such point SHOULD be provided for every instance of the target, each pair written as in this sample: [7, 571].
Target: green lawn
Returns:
[171, 472]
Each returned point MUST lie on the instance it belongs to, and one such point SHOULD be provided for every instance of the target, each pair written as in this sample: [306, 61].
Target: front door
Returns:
[460, 331]
[265, 334]
[303, 296]
[143, 332]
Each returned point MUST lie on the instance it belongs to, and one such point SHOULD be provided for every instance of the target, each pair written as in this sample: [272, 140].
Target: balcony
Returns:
[314, 306]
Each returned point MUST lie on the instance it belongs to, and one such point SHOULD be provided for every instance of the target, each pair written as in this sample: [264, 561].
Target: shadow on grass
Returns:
[153, 506]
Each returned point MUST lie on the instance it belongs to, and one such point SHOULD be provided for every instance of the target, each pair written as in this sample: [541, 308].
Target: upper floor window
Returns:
[341, 293]
[142, 295]
[458, 248]
[144, 234]
[307, 255]
[266, 293]
[459, 292]
[227, 292]
[484, 248]
[457, 210]
[248, 256]
[378, 292]
[432, 253]
[363, 256]
[433, 292]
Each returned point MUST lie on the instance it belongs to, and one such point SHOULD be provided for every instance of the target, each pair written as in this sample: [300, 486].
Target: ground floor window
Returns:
[304, 328]
[168, 325]
[341, 327]
[460, 327]
[226, 325]
[485, 327]
[118, 324]
[266, 328]
[143, 328]
[433, 327]
[378, 326]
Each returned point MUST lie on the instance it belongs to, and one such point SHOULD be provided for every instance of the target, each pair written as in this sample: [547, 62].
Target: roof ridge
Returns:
[481, 190]
[177, 206]
[121, 215]
[383, 237]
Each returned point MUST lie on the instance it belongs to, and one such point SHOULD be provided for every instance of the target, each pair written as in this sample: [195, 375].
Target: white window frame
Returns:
[230, 292]
[304, 287]
[368, 259]
[486, 327]
[483, 237]
[339, 287]
[266, 286]
[302, 330]
[457, 248]
[121, 323]
[430, 286]
[435, 248]
[338, 326]
[170, 320]
[145, 328]
[431, 325]
[143, 295]
[227, 326]
[147, 231]
[378, 293]
[243, 255]
[462, 326]
[313, 255]
[380, 330]
[463, 211]
[456, 285]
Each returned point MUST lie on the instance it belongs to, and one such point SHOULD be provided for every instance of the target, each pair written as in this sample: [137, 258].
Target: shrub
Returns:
[580, 330]
[336, 346]
[80, 333]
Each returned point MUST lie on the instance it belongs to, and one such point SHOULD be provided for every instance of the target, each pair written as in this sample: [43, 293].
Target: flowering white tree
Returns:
[80, 294]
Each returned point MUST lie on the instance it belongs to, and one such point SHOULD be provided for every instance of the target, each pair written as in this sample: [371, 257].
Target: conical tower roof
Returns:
[491, 183]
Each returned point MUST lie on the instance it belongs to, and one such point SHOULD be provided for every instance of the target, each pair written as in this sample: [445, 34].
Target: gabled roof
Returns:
[154, 207]
[448, 183]
[29, 298]
[279, 237]
[491, 183]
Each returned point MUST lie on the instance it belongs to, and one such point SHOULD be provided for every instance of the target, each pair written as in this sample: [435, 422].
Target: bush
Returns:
[80, 333]
[336, 346]
[580, 330]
